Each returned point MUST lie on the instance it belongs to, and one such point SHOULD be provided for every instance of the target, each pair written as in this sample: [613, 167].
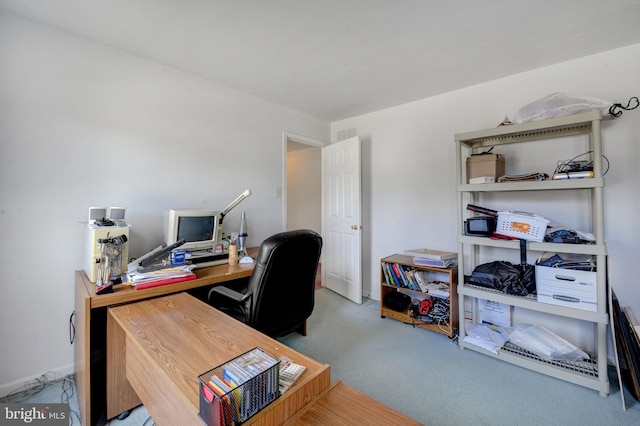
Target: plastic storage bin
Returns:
[526, 226]
[233, 392]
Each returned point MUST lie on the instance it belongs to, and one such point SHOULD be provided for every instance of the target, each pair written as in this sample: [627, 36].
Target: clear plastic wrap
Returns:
[559, 105]
[546, 344]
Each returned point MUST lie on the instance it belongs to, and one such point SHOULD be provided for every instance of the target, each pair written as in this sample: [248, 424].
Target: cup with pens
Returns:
[233, 248]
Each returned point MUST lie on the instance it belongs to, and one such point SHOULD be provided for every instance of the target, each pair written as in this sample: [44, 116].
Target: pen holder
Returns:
[109, 268]
[233, 254]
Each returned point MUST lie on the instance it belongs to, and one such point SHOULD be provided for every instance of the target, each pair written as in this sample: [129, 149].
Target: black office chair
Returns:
[279, 295]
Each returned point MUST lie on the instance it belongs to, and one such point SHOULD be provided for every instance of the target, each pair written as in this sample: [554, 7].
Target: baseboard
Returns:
[50, 375]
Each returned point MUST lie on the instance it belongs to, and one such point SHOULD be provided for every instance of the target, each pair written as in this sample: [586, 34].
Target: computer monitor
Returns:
[198, 227]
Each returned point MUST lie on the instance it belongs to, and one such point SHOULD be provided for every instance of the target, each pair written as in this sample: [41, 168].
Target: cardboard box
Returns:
[567, 287]
[485, 165]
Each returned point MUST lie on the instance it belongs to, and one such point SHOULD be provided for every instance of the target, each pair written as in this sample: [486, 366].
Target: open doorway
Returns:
[302, 189]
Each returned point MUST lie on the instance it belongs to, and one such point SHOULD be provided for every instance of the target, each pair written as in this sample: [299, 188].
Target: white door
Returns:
[342, 230]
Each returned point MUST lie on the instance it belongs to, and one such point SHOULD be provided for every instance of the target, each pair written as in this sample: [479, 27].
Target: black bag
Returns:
[503, 276]
[397, 301]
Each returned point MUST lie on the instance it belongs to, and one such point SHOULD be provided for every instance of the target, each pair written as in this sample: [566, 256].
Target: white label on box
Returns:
[495, 313]
[482, 179]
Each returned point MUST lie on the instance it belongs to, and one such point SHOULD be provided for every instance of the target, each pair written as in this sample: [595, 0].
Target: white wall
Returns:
[84, 125]
[409, 162]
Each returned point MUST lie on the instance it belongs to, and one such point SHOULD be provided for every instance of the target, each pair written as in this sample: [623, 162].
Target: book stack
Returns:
[236, 390]
[402, 276]
[397, 275]
[433, 258]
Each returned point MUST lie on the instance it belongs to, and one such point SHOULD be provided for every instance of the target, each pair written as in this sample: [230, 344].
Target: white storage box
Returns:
[567, 287]
[526, 226]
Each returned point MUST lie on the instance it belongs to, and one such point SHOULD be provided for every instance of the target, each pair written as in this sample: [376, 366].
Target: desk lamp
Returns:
[230, 207]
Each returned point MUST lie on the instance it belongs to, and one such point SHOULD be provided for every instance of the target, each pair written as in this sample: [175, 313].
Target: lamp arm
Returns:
[235, 202]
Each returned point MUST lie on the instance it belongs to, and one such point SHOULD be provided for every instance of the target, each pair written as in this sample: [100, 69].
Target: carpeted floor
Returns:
[425, 375]
[428, 377]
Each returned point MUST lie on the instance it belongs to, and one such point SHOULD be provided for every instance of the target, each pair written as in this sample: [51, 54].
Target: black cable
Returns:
[72, 328]
[564, 165]
[149, 418]
[440, 314]
[37, 385]
[28, 389]
[67, 395]
[484, 152]
[614, 111]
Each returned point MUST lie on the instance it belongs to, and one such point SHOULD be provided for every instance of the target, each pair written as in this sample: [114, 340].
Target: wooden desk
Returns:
[90, 345]
[159, 347]
[343, 405]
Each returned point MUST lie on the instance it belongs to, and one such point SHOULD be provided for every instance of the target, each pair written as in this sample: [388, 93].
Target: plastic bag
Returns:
[505, 277]
[546, 344]
[560, 105]
[491, 339]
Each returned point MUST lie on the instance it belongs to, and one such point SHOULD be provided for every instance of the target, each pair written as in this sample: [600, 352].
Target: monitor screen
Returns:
[196, 228]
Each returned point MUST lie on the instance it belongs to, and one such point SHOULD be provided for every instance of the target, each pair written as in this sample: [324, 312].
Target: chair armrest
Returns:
[230, 294]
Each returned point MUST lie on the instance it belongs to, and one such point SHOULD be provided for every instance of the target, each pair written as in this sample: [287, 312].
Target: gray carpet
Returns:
[426, 376]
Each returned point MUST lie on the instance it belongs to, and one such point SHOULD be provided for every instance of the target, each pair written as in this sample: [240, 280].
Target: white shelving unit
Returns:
[591, 374]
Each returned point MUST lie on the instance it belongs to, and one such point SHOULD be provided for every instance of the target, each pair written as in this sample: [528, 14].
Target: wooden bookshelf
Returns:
[448, 275]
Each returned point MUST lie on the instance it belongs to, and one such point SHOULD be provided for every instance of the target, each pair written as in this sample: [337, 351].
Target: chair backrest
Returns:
[283, 281]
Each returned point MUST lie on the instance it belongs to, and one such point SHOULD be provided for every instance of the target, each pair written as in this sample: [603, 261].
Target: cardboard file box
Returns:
[485, 165]
[567, 287]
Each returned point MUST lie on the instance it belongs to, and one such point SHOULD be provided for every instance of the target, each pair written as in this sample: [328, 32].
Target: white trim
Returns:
[303, 139]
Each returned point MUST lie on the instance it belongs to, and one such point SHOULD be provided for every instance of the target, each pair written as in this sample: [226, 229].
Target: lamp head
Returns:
[234, 203]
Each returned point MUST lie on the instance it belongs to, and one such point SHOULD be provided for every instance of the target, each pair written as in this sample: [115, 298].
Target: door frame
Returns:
[286, 138]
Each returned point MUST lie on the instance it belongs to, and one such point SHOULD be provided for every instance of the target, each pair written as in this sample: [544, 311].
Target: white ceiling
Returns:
[334, 59]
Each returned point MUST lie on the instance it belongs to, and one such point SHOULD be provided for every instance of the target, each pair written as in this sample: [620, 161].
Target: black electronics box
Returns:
[480, 226]
[397, 301]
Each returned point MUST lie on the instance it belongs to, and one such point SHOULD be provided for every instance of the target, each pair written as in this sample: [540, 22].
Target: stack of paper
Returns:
[161, 276]
[485, 337]
[438, 289]
[430, 257]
